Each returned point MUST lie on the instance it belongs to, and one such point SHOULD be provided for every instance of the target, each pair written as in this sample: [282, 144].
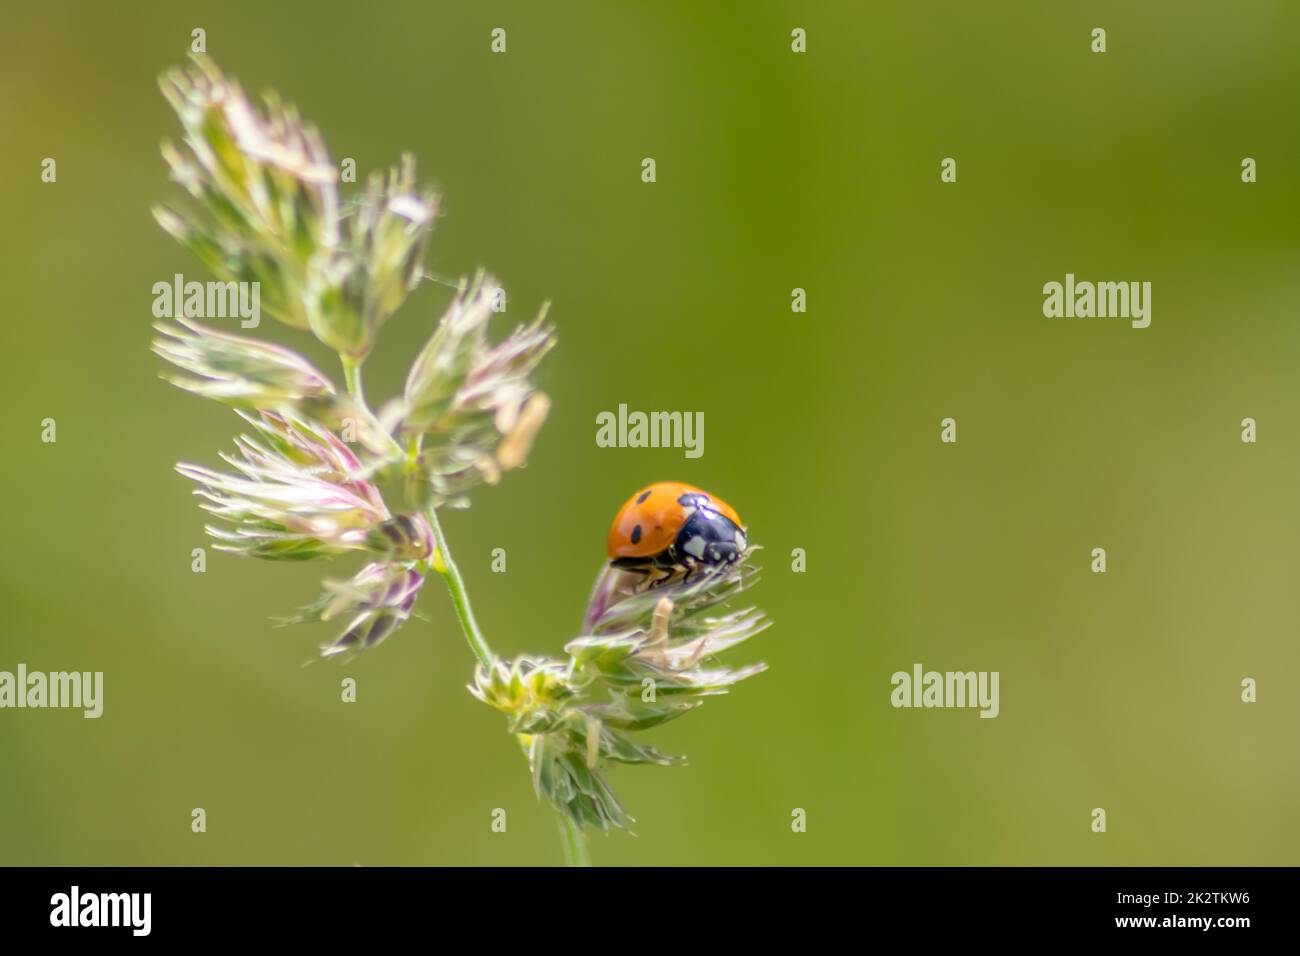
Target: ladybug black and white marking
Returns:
[671, 527]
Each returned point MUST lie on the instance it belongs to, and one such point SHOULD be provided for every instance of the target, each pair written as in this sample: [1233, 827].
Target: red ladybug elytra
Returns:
[670, 526]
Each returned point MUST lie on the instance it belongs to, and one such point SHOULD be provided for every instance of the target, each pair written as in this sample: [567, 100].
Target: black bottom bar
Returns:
[334, 905]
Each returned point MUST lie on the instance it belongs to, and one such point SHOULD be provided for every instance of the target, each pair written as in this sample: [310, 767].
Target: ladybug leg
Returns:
[658, 569]
[653, 577]
[645, 570]
[691, 567]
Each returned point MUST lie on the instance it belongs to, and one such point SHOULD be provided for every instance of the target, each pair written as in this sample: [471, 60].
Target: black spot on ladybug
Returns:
[644, 496]
[636, 532]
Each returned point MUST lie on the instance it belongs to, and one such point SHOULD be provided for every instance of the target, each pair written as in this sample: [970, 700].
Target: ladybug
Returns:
[670, 527]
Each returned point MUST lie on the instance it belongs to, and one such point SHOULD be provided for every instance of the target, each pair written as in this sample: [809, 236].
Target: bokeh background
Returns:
[775, 170]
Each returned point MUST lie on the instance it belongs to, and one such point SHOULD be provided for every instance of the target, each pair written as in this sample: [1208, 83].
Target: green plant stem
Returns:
[445, 565]
[352, 377]
[575, 843]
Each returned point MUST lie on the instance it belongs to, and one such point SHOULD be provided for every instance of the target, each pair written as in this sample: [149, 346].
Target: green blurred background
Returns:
[775, 170]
